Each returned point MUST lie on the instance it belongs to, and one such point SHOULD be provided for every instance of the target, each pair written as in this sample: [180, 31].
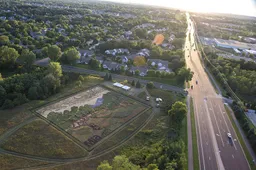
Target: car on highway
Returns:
[230, 139]
[147, 98]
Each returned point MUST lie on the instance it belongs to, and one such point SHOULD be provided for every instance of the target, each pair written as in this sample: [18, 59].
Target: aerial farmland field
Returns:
[93, 114]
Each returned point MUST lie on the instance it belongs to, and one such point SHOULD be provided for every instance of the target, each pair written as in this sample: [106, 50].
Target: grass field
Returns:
[241, 140]
[194, 137]
[168, 97]
[41, 139]
[172, 81]
[142, 95]
[8, 162]
[93, 114]
[13, 117]
[123, 134]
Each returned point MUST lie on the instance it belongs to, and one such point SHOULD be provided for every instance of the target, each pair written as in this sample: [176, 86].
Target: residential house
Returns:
[117, 51]
[161, 65]
[143, 70]
[144, 52]
[85, 56]
[100, 59]
[124, 59]
[110, 65]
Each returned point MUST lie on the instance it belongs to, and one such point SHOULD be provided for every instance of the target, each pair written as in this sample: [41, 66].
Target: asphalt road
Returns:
[68, 68]
[216, 150]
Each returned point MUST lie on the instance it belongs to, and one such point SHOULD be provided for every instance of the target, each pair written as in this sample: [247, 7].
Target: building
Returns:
[142, 70]
[234, 44]
[161, 65]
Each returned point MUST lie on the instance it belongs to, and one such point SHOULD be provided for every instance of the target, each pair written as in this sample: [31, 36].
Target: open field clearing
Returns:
[11, 162]
[41, 139]
[93, 114]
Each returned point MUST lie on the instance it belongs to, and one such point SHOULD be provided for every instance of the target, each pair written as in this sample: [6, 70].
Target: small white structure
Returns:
[126, 88]
[122, 86]
[159, 100]
[118, 85]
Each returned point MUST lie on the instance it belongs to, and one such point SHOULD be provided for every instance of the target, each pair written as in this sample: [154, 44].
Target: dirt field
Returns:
[88, 97]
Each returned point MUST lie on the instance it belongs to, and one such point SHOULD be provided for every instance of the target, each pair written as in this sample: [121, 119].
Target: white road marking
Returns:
[226, 124]
[214, 141]
[209, 158]
[200, 137]
[233, 156]
[217, 125]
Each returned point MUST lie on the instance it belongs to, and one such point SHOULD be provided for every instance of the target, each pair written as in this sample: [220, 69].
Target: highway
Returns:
[216, 150]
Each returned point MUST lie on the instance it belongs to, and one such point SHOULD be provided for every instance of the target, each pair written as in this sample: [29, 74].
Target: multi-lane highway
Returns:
[216, 150]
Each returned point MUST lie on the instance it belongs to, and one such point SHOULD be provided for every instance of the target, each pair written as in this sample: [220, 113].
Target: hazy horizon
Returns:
[238, 7]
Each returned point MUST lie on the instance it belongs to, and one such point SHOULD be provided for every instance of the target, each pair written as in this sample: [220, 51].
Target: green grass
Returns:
[13, 117]
[241, 140]
[184, 137]
[194, 137]
[168, 97]
[12, 162]
[172, 81]
[142, 95]
[41, 139]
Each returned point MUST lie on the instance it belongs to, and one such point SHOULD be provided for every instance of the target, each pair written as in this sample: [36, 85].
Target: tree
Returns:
[150, 85]
[104, 166]
[54, 68]
[185, 74]
[81, 78]
[32, 93]
[138, 85]
[27, 58]
[78, 83]
[152, 167]
[137, 72]
[123, 163]
[141, 33]
[178, 43]
[93, 63]
[4, 40]
[110, 77]
[133, 83]
[51, 83]
[8, 56]
[8, 104]
[54, 52]
[178, 112]
[70, 55]
[2, 94]
[106, 77]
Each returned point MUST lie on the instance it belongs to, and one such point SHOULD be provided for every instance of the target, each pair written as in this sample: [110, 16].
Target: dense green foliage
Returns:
[154, 150]
[240, 75]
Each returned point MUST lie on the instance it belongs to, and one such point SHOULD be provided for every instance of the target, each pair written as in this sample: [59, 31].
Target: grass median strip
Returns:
[194, 138]
[240, 138]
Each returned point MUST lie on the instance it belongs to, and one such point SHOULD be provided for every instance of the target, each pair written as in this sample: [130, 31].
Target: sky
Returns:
[240, 7]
